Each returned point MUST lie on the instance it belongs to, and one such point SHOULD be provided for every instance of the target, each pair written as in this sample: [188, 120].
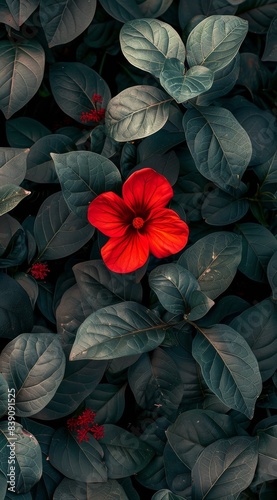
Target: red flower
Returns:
[138, 224]
[39, 270]
[83, 424]
[96, 114]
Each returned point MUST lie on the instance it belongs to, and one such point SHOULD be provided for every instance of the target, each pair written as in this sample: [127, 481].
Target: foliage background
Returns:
[184, 378]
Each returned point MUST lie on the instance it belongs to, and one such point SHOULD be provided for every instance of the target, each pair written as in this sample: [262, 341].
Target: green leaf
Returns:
[229, 367]
[124, 453]
[12, 165]
[84, 175]
[79, 461]
[59, 232]
[224, 80]
[178, 291]
[123, 12]
[21, 11]
[14, 320]
[266, 469]
[63, 21]
[4, 395]
[34, 365]
[10, 196]
[147, 43]
[220, 208]
[213, 260]
[257, 325]
[258, 246]
[258, 14]
[160, 375]
[183, 85]
[137, 112]
[40, 167]
[23, 132]
[270, 51]
[219, 145]
[166, 495]
[108, 401]
[78, 80]
[68, 488]
[21, 71]
[124, 329]
[272, 274]
[215, 41]
[225, 468]
[194, 430]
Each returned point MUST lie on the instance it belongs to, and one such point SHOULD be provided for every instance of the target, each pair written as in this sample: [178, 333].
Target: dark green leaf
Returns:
[20, 11]
[124, 329]
[153, 476]
[258, 14]
[75, 490]
[272, 274]
[14, 320]
[224, 81]
[78, 461]
[160, 375]
[34, 365]
[229, 367]
[215, 41]
[40, 167]
[258, 327]
[27, 456]
[10, 196]
[225, 468]
[220, 208]
[83, 175]
[63, 21]
[194, 430]
[123, 12]
[58, 231]
[68, 79]
[124, 453]
[219, 145]
[179, 291]
[213, 260]
[71, 311]
[178, 475]
[258, 246]
[200, 8]
[23, 132]
[147, 43]
[166, 495]
[29, 284]
[182, 85]
[21, 70]
[12, 165]
[4, 395]
[270, 51]
[16, 251]
[137, 112]
[266, 469]
[108, 401]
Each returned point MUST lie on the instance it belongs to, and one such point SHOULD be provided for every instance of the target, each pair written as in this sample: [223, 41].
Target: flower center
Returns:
[138, 222]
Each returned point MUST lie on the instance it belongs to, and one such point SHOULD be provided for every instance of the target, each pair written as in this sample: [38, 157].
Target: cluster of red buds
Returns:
[39, 270]
[84, 424]
[97, 113]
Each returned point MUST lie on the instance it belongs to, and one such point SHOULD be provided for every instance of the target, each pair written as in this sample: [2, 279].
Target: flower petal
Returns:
[146, 189]
[126, 254]
[110, 214]
[167, 233]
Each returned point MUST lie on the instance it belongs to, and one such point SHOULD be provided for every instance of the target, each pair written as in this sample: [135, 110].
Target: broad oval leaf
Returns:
[257, 325]
[194, 430]
[215, 41]
[225, 468]
[124, 453]
[258, 14]
[68, 79]
[219, 145]
[83, 175]
[272, 274]
[229, 367]
[21, 73]
[213, 260]
[78, 461]
[124, 12]
[270, 51]
[224, 80]
[65, 20]
[137, 112]
[68, 488]
[178, 291]
[10, 196]
[34, 365]
[58, 231]
[12, 165]
[147, 43]
[21, 11]
[4, 390]
[160, 375]
[258, 246]
[13, 320]
[27, 457]
[184, 85]
[200, 9]
[124, 329]
[23, 132]
[166, 495]
[220, 208]
[108, 401]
